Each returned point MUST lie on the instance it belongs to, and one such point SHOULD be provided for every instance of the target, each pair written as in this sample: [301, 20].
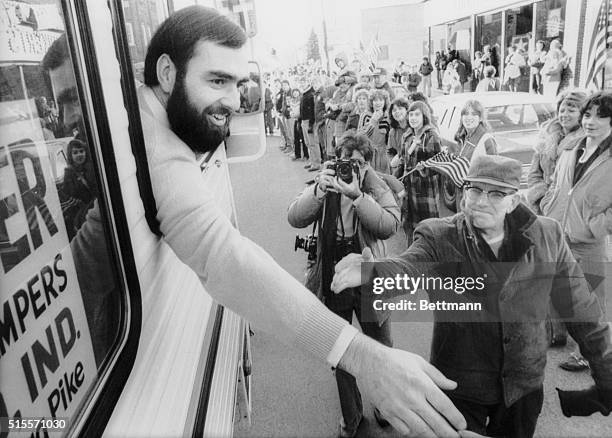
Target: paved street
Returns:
[295, 395]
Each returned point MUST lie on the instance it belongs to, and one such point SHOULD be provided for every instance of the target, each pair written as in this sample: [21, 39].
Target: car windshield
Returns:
[518, 117]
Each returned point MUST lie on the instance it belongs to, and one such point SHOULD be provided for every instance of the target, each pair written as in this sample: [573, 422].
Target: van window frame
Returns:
[94, 416]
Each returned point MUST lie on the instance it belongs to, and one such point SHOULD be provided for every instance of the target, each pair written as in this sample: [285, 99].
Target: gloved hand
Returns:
[585, 402]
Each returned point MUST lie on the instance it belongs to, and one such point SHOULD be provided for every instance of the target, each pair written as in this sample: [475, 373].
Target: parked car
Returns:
[514, 118]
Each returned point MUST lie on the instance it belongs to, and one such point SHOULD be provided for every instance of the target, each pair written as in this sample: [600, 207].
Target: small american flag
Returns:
[455, 168]
[599, 43]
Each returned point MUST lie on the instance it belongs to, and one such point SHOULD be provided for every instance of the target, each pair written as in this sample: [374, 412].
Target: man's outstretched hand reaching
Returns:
[403, 386]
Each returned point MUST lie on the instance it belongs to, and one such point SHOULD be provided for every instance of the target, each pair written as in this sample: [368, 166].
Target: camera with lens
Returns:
[308, 244]
[344, 169]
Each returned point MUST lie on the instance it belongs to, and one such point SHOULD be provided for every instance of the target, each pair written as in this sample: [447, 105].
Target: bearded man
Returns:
[196, 62]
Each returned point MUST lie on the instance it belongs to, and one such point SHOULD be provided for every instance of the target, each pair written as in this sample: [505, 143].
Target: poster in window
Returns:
[553, 23]
[47, 363]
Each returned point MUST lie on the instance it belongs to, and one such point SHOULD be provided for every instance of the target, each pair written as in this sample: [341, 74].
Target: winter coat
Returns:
[542, 265]
[377, 218]
[551, 142]
[585, 208]
[421, 197]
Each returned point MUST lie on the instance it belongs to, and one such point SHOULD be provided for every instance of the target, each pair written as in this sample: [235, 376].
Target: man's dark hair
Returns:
[352, 140]
[179, 34]
[603, 101]
[57, 54]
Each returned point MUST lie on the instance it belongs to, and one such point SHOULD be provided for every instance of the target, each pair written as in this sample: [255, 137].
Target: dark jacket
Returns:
[462, 71]
[307, 107]
[425, 69]
[543, 271]
[319, 106]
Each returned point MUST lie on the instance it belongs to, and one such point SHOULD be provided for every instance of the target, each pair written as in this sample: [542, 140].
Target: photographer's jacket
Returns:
[377, 213]
[505, 360]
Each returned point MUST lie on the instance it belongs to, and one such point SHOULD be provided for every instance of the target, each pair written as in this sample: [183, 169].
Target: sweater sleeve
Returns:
[234, 270]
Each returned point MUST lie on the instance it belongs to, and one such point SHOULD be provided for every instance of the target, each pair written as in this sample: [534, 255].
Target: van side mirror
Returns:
[247, 135]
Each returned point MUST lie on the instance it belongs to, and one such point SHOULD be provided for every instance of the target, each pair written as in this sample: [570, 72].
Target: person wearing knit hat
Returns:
[491, 338]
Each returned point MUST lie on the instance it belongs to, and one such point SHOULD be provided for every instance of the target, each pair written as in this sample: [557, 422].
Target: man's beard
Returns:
[194, 127]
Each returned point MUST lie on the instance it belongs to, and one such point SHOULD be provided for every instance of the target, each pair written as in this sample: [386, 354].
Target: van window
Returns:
[62, 289]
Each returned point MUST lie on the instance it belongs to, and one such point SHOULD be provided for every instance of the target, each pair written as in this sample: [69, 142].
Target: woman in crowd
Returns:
[536, 61]
[472, 137]
[361, 101]
[554, 63]
[78, 189]
[340, 105]
[488, 83]
[514, 61]
[451, 83]
[299, 147]
[560, 133]
[580, 198]
[477, 69]
[421, 142]
[398, 120]
[376, 126]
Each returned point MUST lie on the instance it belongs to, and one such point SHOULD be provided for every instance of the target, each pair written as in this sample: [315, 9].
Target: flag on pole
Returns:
[455, 168]
[599, 43]
[373, 52]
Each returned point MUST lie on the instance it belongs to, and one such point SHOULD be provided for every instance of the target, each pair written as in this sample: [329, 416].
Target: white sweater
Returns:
[234, 270]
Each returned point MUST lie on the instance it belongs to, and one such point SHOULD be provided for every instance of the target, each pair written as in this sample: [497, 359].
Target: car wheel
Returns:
[449, 193]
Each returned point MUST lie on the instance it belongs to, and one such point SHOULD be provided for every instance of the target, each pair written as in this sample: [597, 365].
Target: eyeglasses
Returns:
[494, 196]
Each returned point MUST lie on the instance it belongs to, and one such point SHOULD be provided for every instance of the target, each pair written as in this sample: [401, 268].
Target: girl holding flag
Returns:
[420, 142]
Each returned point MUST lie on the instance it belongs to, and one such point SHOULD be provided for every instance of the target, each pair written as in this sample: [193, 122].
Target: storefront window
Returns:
[460, 39]
[488, 38]
[63, 300]
[550, 21]
[141, 18]
[519, 29]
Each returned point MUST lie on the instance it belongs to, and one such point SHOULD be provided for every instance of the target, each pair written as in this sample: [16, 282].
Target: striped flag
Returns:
[455, 168]
[599, 43]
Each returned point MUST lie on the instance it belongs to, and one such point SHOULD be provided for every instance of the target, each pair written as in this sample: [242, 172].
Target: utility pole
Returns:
[325, 46]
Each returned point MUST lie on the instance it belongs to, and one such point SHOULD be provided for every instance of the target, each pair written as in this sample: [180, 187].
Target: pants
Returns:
[269, 121]
[426, 84]
[516, 421]
[282, 124]
[320, 134]
[313, 147]
[439, 78]
[350, 397]
[291, 132]
[298, 140]
[330, 149]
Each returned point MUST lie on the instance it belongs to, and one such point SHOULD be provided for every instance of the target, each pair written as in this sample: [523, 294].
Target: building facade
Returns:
[471, 25]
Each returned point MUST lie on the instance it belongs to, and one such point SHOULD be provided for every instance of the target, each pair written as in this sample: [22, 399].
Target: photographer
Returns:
[355, 209]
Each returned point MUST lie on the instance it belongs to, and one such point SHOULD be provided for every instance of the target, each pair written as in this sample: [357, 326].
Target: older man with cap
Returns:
[500, 266]
[379, 76]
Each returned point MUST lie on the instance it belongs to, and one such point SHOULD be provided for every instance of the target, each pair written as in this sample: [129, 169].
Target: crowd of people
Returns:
[543, 69]
[387, 140]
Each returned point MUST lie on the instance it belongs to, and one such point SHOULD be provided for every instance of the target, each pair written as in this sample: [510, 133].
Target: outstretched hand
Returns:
[405, 388]
[348, 270]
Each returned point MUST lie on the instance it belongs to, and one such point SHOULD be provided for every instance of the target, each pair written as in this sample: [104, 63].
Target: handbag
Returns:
[314, 273]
